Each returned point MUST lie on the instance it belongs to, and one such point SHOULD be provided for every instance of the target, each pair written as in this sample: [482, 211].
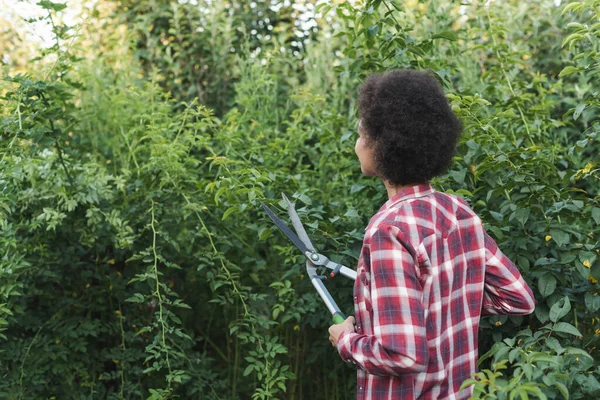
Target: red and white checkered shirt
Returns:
[426, 273]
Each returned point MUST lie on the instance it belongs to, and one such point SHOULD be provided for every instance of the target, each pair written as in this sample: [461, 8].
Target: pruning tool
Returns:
[313, 259]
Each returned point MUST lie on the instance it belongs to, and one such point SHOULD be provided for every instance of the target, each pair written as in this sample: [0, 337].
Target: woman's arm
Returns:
[505, 290]
[399, 343]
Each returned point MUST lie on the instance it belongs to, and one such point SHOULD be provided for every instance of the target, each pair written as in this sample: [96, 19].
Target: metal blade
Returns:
[287, 231]
[298, 224]
[325, 296]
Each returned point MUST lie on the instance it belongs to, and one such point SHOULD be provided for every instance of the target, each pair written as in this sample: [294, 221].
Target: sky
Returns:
[40, 31]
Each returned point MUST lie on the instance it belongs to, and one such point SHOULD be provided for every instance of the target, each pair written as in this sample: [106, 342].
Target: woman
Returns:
[427, 270]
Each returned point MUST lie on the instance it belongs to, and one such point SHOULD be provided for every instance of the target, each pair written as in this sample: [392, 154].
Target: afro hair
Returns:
[409, 124]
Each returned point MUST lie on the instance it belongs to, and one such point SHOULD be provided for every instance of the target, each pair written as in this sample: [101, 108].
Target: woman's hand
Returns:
[336, 330]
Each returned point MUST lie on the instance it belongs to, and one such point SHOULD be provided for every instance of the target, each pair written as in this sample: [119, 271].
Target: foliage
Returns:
[136, 261]
[194, 45]
[539, 363]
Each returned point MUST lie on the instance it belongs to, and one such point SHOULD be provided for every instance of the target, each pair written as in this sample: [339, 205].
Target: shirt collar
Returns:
[407, 193]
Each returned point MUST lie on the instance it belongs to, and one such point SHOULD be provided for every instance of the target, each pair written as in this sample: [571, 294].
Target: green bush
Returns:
[136, 261]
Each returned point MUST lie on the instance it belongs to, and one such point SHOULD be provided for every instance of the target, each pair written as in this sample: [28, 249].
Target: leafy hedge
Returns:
[137, 263]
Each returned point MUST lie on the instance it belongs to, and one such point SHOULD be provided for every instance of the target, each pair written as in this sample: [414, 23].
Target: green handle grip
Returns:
[338, 318]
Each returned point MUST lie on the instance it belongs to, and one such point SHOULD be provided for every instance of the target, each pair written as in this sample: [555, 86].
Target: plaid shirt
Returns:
[426, 273]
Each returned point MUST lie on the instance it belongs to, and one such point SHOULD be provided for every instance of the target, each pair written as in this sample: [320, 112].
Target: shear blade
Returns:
[298, 224]
[287, 231]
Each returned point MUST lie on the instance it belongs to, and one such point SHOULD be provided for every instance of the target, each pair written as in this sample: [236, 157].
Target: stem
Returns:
[58, 148]
[59, 53]
[575, 320]
[158, 295]
[236, 290]
[207, 340]
[20, 128]
[391, 15]
[183, 120]
[236, 360]
[29, 348]
[296, 369]
[62, 161]
[131, 152]
[223, 267]
[507, 78]
[122, 347]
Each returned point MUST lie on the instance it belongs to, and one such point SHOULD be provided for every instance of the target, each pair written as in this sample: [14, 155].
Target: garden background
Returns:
[139, 138]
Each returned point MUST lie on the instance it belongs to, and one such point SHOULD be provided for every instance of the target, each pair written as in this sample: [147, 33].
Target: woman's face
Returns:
[364, 153]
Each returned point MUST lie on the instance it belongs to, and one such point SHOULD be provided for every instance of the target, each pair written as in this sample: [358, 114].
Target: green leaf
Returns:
[351, 213]
[305, 199]
[542, 357]
[522, 214]
[357, 187]
[228, 212]
[578, 110]
[573, 37]
[542, 313]
[574, 6]
[546, 284]
[554, 344]
[249, 370]
[595, 271]
[468, 382]
[596, 215]
[49, 5]
[450, 35]
[562, 389]
[345, 136]
[592, 302]
[136, 298]
[560, 237]
[568, 71]
[560, 309]
[458, 176]
[582, 270]
[373, 30]
[566, 327]
[323, 7]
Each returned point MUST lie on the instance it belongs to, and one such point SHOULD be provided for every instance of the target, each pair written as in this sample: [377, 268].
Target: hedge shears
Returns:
[313, 259]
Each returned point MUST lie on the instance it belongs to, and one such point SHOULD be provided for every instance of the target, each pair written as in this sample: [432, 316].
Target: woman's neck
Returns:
[392, 190]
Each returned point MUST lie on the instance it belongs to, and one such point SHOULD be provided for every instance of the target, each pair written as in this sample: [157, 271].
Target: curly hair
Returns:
[409, 124]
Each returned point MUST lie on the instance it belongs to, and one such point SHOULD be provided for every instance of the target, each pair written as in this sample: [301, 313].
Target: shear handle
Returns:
[322, 261]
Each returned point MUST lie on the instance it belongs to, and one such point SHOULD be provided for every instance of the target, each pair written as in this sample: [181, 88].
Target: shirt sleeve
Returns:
[399, 343]
[505, 291]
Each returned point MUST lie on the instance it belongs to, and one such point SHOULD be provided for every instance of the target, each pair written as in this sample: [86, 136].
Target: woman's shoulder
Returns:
[422, 217]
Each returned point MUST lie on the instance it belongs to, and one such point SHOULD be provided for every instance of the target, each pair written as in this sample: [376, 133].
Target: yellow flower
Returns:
[548, 237]
[588, 264]
[588, 168]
